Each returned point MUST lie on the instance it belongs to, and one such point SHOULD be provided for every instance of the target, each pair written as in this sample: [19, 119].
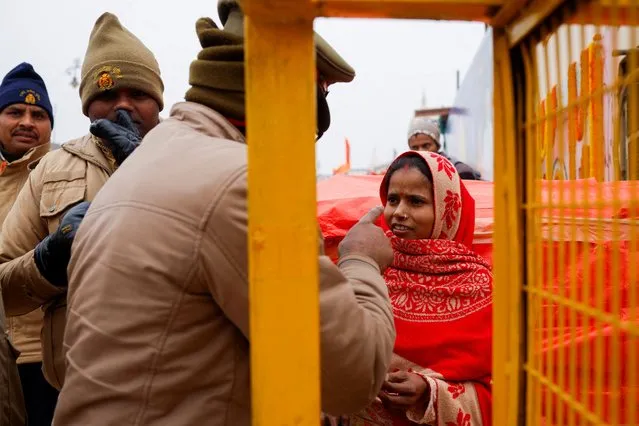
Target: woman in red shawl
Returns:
[441, 293]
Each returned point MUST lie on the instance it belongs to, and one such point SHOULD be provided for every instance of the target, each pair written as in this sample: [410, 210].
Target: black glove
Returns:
[122, 135]
[52, 254]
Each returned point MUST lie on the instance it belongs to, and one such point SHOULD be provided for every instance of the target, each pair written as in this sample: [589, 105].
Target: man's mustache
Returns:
[23, 131]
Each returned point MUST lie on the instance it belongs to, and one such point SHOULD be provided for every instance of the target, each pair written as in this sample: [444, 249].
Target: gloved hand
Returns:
[52, 254]
[122, 136]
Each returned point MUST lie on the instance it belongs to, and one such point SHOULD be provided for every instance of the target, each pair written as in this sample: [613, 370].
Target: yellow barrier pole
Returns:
[508, 244]
[284, 299]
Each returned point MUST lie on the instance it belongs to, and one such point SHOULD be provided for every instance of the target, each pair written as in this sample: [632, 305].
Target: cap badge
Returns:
[105, 77]
[30, 96]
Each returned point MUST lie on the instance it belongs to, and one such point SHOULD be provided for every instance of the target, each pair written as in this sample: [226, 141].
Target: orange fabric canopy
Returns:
[343, 199]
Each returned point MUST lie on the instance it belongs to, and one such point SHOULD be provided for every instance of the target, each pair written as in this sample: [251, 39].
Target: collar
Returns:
[22, 163]
[87, 149]
[207, 121]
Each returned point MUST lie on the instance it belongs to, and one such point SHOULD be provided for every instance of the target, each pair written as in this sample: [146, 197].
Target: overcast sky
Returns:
[395, 61]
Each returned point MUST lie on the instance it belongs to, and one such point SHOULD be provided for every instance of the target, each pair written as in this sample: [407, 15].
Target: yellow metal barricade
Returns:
[576, 329]
[566, 226]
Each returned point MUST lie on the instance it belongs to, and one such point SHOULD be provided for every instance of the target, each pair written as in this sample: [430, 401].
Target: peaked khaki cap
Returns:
[332, 67]
[116, 58]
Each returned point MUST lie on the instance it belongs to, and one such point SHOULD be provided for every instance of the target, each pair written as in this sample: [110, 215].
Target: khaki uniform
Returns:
[158, 326]
[62, 178]
[23, 331]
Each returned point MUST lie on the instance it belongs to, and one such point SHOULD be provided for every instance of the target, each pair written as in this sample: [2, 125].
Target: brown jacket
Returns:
[62, 178]
[24, 330]
[157, 330]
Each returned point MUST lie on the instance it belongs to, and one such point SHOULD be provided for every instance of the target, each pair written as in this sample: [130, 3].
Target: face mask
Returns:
[323, 113]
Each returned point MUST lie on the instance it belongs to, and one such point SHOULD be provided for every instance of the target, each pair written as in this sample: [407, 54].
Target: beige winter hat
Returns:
[116, 58]
[424, 126]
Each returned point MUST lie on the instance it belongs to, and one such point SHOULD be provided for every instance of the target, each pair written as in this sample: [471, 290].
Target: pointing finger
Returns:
[372, 215]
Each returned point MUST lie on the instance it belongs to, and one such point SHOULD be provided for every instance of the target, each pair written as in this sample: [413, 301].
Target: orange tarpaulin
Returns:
[602, 228]
[343, 199]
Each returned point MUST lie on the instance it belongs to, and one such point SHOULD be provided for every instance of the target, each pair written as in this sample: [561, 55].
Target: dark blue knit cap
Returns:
[22, 85]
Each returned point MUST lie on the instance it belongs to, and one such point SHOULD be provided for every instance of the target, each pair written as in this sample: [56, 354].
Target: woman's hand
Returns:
[399, 363]
[404, 389]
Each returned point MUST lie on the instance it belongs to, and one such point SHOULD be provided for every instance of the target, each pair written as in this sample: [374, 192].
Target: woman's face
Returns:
[410, 210]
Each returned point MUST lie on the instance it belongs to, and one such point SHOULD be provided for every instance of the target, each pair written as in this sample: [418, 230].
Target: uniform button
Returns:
[52, 209]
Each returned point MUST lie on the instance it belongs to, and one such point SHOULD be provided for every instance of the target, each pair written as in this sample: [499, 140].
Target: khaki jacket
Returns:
[158, 325]
[24, 330]
[62, 178]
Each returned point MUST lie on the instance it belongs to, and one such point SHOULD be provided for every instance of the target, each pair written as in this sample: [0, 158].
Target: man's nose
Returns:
[124, 101]
[27, 121]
